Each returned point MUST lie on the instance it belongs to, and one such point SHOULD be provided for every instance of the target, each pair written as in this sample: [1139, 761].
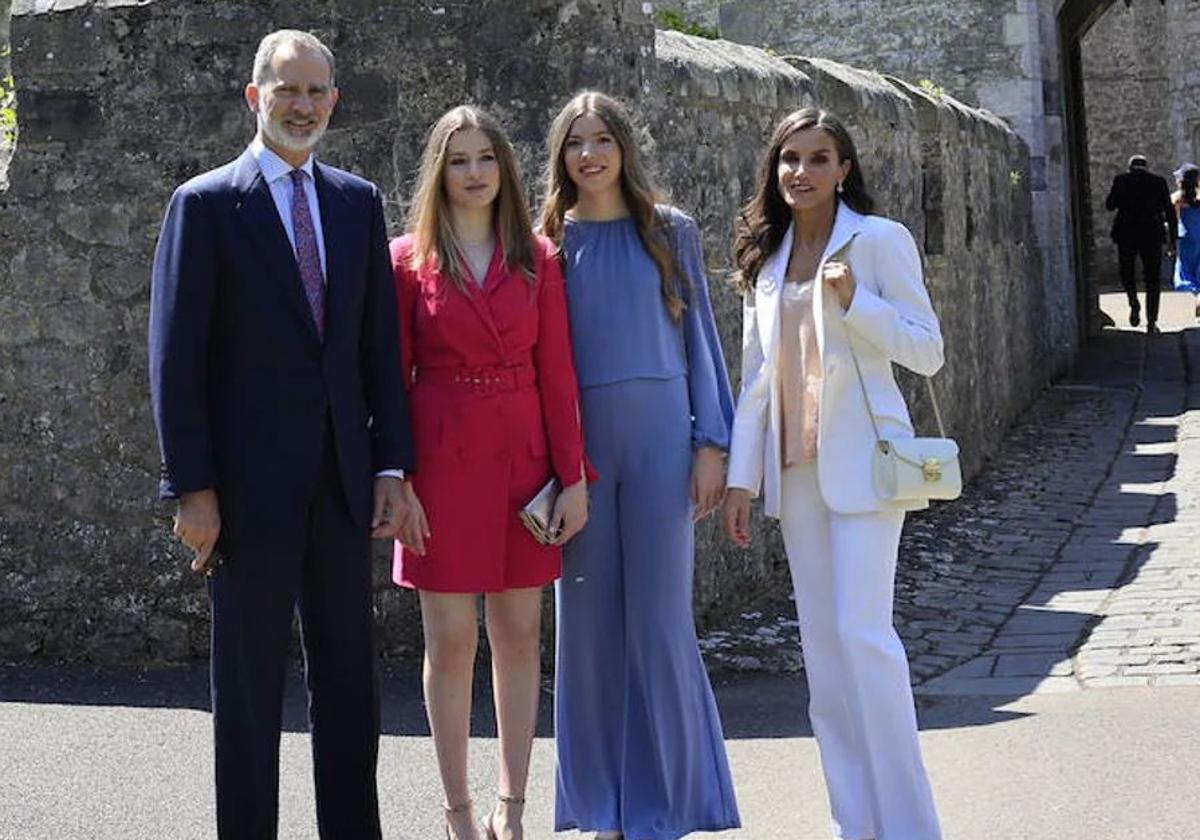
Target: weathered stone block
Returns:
[123, 280]
[43, 273]
[225, 22]
[58, 116]
[367, 98]
[96, 225]
[17, 322]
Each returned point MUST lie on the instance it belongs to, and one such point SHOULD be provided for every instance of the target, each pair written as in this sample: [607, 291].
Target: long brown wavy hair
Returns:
[637, 189]
[429, 219]
[764, 220]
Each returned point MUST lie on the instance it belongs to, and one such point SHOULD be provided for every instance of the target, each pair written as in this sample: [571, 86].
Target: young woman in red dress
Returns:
[495, 407]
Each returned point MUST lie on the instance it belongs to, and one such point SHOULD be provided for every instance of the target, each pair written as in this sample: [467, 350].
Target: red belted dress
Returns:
[495, 413]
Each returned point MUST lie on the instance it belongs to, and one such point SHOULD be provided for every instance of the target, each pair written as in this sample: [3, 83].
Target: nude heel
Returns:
[488, 830]
[454, 809]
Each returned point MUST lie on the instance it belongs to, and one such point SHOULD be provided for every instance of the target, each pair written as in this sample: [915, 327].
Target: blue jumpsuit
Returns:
[640, 746]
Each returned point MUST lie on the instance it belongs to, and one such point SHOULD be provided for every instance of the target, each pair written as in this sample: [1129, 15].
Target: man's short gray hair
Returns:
[268, 45]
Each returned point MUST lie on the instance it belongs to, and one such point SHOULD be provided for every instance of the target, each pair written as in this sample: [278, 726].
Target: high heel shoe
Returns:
[454, 809]
[489, 831]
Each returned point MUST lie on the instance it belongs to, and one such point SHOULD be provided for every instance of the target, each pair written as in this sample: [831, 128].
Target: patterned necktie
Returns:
[308, 258]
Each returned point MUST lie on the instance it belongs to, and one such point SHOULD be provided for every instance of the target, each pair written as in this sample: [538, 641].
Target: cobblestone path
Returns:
[1118, 603]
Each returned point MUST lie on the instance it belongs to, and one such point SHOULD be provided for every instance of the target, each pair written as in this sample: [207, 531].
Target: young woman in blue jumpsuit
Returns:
[641, 754]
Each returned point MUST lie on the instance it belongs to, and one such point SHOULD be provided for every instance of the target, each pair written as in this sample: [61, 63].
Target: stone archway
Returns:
[1074, 19]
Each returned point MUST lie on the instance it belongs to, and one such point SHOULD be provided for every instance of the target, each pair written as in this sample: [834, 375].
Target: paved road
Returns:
[1053, 615]
[1109, 764]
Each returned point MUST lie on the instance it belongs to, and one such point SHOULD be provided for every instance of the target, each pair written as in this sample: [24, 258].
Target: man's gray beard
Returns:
[275, 133]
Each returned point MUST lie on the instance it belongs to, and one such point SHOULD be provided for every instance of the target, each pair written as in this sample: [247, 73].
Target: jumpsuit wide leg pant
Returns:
[861, 703]
[640, 745]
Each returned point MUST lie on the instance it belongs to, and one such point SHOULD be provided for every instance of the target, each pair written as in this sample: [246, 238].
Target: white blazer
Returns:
[890, 319]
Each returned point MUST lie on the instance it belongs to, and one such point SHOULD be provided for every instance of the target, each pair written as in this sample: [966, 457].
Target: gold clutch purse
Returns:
[538, 510]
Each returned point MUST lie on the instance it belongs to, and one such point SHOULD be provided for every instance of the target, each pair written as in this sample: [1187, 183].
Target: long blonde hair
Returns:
[430, 222]
[637, 189]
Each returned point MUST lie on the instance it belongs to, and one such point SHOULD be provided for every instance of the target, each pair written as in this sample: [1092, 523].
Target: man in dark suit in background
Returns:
[284, 429]
[1145, 220]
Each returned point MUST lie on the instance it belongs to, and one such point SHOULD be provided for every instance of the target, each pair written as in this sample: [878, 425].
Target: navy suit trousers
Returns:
[1150, 253]
[253, 597]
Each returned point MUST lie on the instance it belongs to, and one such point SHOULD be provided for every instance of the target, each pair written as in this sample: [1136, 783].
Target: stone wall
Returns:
[121, 100]
[706, 13]
[1142, 95]
[955, 45]
[1183, 74]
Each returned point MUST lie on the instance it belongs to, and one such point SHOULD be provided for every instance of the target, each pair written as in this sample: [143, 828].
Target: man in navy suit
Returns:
[1145, 221]
[284, 429]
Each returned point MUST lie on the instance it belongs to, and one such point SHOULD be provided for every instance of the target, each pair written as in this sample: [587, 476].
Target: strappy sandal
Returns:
[454, 809]
[488, 830]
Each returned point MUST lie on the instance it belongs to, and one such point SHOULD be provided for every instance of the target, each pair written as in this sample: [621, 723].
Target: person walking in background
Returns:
[824, 284]
[276, 390]
[1187, 208]
[641, 753]
[487, 364]
[1145, 220]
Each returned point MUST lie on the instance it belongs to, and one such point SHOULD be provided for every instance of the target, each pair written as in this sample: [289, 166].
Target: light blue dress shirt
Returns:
[277, 173]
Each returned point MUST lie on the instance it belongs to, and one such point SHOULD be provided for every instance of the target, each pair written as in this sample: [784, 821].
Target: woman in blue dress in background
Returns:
[641, 753]
[1187, 210]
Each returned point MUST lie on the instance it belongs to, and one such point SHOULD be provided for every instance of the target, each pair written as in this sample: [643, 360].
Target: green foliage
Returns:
[931, 87]
[8, 111]
[668, 19]
[8, 104]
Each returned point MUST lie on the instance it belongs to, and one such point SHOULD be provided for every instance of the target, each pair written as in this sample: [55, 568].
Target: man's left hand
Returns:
[390, 508]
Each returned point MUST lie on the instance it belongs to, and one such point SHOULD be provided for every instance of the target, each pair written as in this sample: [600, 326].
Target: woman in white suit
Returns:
[821, 276]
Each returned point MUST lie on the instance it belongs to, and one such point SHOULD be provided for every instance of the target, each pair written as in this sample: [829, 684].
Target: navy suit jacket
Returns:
[243, 390]
[1145, 214]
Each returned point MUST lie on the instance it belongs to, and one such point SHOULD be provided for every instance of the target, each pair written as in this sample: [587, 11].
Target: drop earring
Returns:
[840, 188]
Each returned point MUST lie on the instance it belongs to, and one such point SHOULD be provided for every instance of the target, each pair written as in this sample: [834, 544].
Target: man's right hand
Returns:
[414, 531]
[198, 524]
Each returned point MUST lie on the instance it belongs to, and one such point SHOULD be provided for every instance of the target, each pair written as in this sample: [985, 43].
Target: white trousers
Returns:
[861, 704]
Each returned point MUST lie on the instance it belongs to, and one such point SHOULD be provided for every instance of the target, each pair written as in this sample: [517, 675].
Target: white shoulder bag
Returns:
[912, 469]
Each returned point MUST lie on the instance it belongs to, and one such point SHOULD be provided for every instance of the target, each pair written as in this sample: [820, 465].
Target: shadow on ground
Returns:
[752, 705]
[1106, 545]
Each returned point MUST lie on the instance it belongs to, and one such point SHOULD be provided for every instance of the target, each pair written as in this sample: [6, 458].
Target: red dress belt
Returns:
[495, 379]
